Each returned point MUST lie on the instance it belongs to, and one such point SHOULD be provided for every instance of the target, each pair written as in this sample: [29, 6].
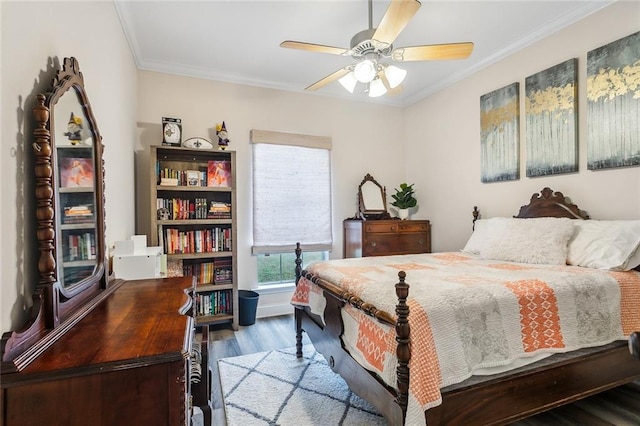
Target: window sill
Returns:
[276, 288]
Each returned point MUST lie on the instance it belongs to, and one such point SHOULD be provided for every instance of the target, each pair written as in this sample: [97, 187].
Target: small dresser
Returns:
[364, 238]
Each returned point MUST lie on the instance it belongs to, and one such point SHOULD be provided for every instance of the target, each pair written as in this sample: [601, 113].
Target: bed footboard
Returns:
[326, 339]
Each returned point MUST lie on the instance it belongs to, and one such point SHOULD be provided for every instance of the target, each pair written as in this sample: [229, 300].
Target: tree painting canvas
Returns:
[500, 134]
[613, 102]
[551, 120]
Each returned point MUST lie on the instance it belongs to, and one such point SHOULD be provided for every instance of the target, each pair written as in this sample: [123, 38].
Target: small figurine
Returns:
[223, 137]
[74, 129]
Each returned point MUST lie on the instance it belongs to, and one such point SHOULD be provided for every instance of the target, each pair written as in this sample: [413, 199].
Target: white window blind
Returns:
[291, 192]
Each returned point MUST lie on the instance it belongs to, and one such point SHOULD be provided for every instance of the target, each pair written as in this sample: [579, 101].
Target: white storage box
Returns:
[133, 260]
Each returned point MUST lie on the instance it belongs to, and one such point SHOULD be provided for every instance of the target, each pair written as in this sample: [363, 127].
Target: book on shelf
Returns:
[180, 209]
[78, 214]
[76, 172]
[214, 303]
[218, 210]
[219, 173]
[81, 246]
[168, 182]
[177, 241]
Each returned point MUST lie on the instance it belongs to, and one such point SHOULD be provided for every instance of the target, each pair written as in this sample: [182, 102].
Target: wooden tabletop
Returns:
[142, 322]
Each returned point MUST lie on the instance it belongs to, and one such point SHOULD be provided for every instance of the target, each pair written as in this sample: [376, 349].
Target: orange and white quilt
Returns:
[472, 316]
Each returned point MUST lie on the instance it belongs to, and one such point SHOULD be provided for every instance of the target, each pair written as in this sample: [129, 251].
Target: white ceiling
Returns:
[238, 40]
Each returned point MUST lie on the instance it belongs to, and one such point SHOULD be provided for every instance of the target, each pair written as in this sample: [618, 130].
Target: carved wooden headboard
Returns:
[551, 204]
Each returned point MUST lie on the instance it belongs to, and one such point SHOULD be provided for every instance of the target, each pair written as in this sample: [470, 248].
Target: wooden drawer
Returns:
[386, 237]
[376, 228]
[414, 226]
[390, 244]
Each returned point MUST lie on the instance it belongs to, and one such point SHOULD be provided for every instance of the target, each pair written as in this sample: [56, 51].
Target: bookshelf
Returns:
[76, 200]
[193, 219]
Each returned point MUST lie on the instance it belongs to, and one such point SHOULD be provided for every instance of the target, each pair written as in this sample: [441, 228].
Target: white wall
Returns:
[366, 139]
[34, 36]
[443, 139]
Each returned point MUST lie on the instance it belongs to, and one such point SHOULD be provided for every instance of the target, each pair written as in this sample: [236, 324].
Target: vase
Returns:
[403, 214]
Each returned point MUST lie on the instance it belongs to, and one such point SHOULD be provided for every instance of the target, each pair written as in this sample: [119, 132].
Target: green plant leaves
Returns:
[403, 198]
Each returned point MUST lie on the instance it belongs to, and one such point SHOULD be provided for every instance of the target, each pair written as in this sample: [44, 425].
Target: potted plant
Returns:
[403, 200]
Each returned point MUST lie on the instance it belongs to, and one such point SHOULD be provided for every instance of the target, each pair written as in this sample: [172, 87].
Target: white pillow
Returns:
[539, 240]
[481, 232]
[606, 244]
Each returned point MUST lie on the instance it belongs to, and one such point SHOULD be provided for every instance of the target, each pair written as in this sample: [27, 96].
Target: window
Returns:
[279, 268]
[291, 192]
[291, 201]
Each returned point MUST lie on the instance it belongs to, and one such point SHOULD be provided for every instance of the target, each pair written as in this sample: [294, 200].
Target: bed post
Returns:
[403, 350]
[296, 310]
[634, 344]
[476, 215]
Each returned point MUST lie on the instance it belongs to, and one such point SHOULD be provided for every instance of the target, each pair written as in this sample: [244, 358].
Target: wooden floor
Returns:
[619, 407]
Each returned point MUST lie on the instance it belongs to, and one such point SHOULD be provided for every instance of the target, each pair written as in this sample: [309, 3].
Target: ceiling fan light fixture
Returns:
[365, 71]
[376, 88]
[395, 76]
[349, 81]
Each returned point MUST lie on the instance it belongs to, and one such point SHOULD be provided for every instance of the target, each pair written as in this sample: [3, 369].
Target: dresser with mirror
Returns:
[373, 232]
[95, 350]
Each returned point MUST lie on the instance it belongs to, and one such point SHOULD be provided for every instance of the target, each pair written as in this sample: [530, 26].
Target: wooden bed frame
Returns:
[487, 400]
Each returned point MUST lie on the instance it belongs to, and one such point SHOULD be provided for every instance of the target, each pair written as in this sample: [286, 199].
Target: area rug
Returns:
[276, 388]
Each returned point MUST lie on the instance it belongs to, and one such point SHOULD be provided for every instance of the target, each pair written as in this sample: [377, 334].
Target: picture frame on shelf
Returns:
[193, 178]
[171, 131]
[219, 173]
[76, 172]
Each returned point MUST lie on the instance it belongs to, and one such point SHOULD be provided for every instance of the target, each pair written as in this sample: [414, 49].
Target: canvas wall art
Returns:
[551, 120]
[613, 101]
[500, 134]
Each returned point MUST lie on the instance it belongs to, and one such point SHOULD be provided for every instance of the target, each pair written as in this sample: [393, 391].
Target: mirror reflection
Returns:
[372, 200]
[76, 182]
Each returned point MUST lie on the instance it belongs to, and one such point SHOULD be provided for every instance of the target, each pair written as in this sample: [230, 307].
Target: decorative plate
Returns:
[197, 143]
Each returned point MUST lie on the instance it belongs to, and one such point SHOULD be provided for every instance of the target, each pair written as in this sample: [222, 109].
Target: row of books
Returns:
[197, 208]
[217, 174]
[82, 213]
[180, 209]
[215, 303]
[81, 246]
[176, 241]
[219, 271]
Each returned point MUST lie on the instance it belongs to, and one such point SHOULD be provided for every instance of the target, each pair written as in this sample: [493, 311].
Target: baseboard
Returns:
[274, 310]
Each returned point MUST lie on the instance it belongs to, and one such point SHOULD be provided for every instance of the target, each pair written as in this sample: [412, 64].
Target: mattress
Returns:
[472, 316]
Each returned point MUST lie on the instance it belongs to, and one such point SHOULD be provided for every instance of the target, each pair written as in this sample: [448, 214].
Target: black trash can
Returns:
[248, 301]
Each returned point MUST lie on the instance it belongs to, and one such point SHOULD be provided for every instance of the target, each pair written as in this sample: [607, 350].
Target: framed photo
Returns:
[219, 173]
[171, 131]
[76, 172]
[193, 178]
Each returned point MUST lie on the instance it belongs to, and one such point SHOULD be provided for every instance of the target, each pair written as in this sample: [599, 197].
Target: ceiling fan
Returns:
[373, 46]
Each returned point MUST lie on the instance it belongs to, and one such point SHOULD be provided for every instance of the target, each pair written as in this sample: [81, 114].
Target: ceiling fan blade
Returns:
[329, 79]
[391, 91]
[395, 19]
[432, 52]
[313, 47]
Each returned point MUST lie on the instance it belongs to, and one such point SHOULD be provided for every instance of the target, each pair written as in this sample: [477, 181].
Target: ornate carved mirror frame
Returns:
[372, 199]
[73, 264]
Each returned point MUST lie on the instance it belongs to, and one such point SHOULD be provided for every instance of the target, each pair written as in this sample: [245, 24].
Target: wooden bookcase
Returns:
[197, 231]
